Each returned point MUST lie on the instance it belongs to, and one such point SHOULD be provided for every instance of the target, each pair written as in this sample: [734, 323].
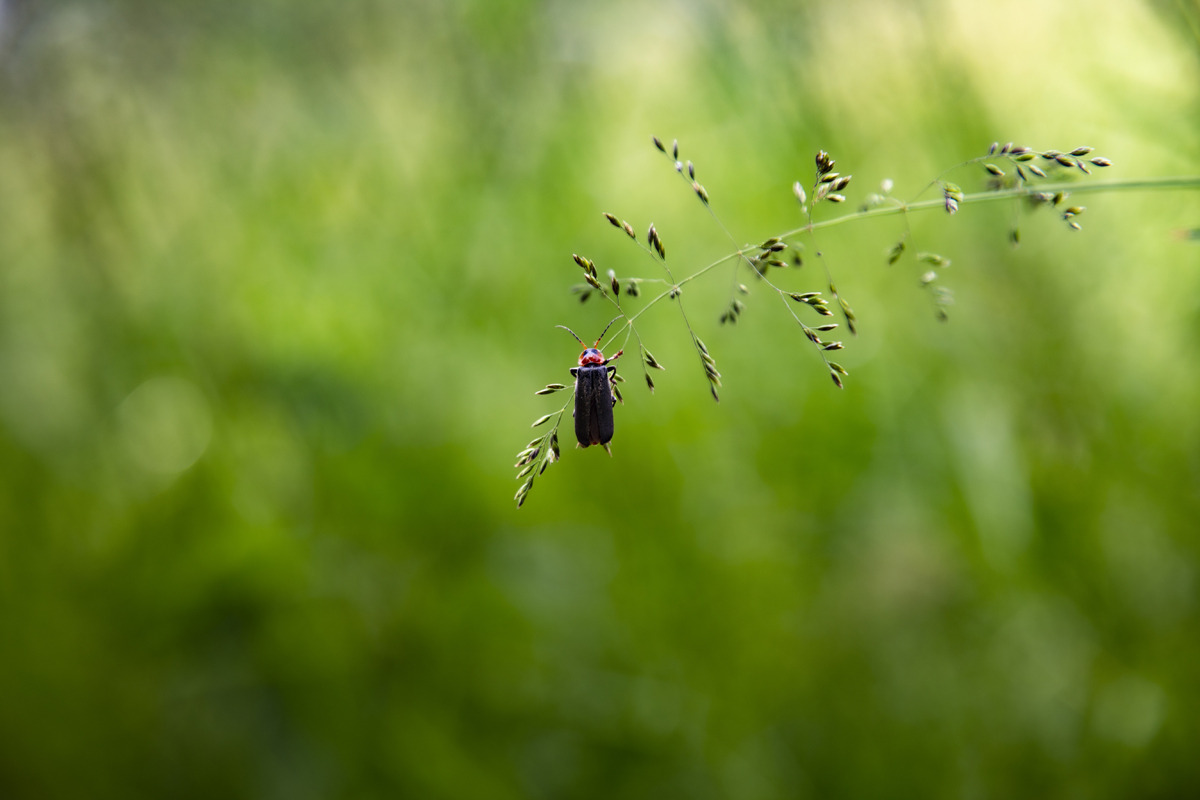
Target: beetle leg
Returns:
[574, 372]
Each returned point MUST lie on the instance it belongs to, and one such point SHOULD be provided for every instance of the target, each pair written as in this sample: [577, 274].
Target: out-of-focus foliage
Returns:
[278, 280]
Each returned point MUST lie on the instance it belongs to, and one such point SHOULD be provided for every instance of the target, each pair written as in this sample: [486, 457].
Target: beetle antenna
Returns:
[606, 327]
[568, 330]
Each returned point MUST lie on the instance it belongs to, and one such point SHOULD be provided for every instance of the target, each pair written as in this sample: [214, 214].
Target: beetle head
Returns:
[591, 355]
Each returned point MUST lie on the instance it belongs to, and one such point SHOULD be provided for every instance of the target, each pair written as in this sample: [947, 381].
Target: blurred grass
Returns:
[279, 280]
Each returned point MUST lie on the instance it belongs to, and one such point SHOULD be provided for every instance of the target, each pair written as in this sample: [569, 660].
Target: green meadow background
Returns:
[278, 281]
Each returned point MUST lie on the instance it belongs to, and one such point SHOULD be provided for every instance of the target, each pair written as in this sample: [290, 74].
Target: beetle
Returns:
[594, 398]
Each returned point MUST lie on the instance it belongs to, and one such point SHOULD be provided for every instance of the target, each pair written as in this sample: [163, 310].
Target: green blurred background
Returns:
[278, 281]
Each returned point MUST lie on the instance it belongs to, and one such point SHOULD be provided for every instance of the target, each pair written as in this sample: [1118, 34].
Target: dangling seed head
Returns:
[798, 190]
[656, 241]
[658, 143]
[691, 170]
[1101, 162]
[1082, 151]
[675, 149]
[629, 230]
[616, 223]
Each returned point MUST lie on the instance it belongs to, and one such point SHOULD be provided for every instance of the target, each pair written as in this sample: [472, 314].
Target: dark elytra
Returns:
[594, 403]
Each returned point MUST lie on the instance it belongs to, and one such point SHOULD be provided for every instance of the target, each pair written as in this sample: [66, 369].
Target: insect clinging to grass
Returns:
[595, 392]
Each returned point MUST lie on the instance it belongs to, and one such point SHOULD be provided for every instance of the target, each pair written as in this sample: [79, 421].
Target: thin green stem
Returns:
[1136, 184]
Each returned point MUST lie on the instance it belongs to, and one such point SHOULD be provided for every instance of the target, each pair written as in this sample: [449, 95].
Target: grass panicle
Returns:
[1037, 178]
